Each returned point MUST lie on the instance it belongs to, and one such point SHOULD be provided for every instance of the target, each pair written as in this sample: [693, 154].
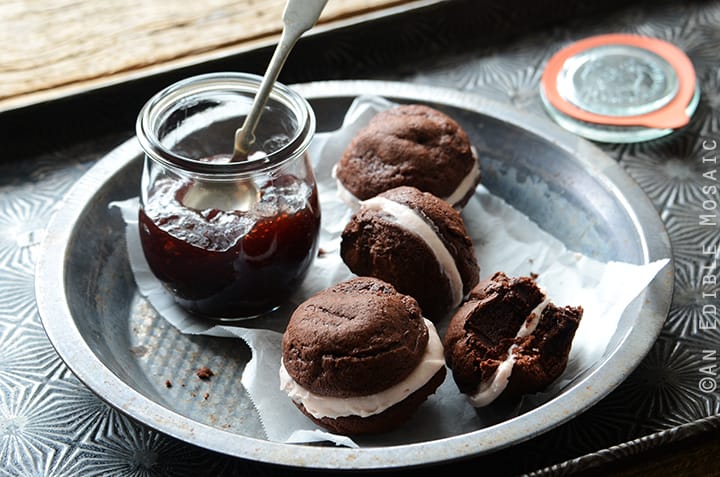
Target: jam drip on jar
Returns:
[217, 261]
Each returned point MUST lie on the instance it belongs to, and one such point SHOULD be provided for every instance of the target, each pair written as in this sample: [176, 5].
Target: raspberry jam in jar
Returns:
[230, 240]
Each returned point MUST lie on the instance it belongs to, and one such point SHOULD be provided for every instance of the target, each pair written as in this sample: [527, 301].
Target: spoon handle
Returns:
[299, 17]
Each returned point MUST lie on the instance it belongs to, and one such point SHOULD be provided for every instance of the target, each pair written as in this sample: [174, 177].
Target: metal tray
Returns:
[116, 344]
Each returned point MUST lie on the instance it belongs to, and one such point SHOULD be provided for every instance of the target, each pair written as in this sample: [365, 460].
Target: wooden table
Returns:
[52, 48]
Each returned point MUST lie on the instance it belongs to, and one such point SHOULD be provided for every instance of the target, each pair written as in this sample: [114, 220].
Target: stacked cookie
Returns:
[508, 339]
[415, 241]
[409, 145]
[359, 357]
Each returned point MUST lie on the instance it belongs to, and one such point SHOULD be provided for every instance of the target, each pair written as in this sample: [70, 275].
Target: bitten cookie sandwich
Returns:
[416, 242]
[508, 339]
[359, 358]
[409, 145]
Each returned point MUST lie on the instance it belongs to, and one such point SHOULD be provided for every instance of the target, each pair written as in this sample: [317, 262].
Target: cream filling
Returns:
[343, 194]
[490, 389]
[469, 182]
[364, 406]
[405, 217]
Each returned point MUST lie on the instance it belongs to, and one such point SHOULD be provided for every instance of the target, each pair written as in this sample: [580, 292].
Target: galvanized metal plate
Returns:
[118, 346]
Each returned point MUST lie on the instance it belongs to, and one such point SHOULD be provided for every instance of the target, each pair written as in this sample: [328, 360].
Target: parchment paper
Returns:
[505, 240]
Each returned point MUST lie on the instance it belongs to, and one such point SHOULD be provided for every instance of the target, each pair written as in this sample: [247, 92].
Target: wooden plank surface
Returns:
[54, 47]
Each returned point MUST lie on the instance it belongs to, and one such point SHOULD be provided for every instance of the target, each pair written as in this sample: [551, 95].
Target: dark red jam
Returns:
[230, 263]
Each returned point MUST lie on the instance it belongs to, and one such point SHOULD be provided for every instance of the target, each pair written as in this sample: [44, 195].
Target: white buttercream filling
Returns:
[409, 220]
[343, 194]
[469, 182]
[364, 406]
[490, 389]
[466, 184]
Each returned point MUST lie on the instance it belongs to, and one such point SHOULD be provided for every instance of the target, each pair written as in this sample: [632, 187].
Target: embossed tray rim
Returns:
[80, 358]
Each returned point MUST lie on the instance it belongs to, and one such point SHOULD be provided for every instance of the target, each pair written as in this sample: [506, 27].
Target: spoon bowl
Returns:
[240, 196]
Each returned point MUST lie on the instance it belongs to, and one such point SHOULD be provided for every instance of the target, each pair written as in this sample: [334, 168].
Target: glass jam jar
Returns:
[229, 239]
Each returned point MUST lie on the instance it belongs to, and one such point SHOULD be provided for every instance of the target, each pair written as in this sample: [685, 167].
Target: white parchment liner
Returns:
[505, 240]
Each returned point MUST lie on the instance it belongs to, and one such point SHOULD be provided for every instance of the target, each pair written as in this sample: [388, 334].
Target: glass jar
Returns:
[229, 239]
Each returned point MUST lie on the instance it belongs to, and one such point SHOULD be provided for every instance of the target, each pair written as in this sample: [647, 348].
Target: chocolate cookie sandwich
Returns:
[409, 145]
[508, 339]
[359, 358]
[416, 242]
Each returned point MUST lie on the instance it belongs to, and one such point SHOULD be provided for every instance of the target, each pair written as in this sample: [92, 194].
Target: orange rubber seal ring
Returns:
[671, 116]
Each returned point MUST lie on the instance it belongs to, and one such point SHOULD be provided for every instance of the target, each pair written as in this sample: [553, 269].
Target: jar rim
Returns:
[163, 100]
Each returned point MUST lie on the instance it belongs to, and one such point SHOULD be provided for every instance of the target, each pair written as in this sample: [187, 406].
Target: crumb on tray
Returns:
[204, 373]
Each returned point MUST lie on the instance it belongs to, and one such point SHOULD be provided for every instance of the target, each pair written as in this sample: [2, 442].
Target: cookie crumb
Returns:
[534, 276]
[168, 384]
[321, 252]
[206, 396]
[138, 351]
[204, 373]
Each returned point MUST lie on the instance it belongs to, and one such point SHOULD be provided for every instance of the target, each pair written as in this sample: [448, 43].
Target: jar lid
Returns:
[620, 88]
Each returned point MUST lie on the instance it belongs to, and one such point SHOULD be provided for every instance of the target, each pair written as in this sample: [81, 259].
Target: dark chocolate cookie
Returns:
[508, 328]
[415, 241]
[359, 357]
[355, 338]
[412, 145]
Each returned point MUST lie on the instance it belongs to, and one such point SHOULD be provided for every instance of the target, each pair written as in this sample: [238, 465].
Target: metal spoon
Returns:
[299, 16]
